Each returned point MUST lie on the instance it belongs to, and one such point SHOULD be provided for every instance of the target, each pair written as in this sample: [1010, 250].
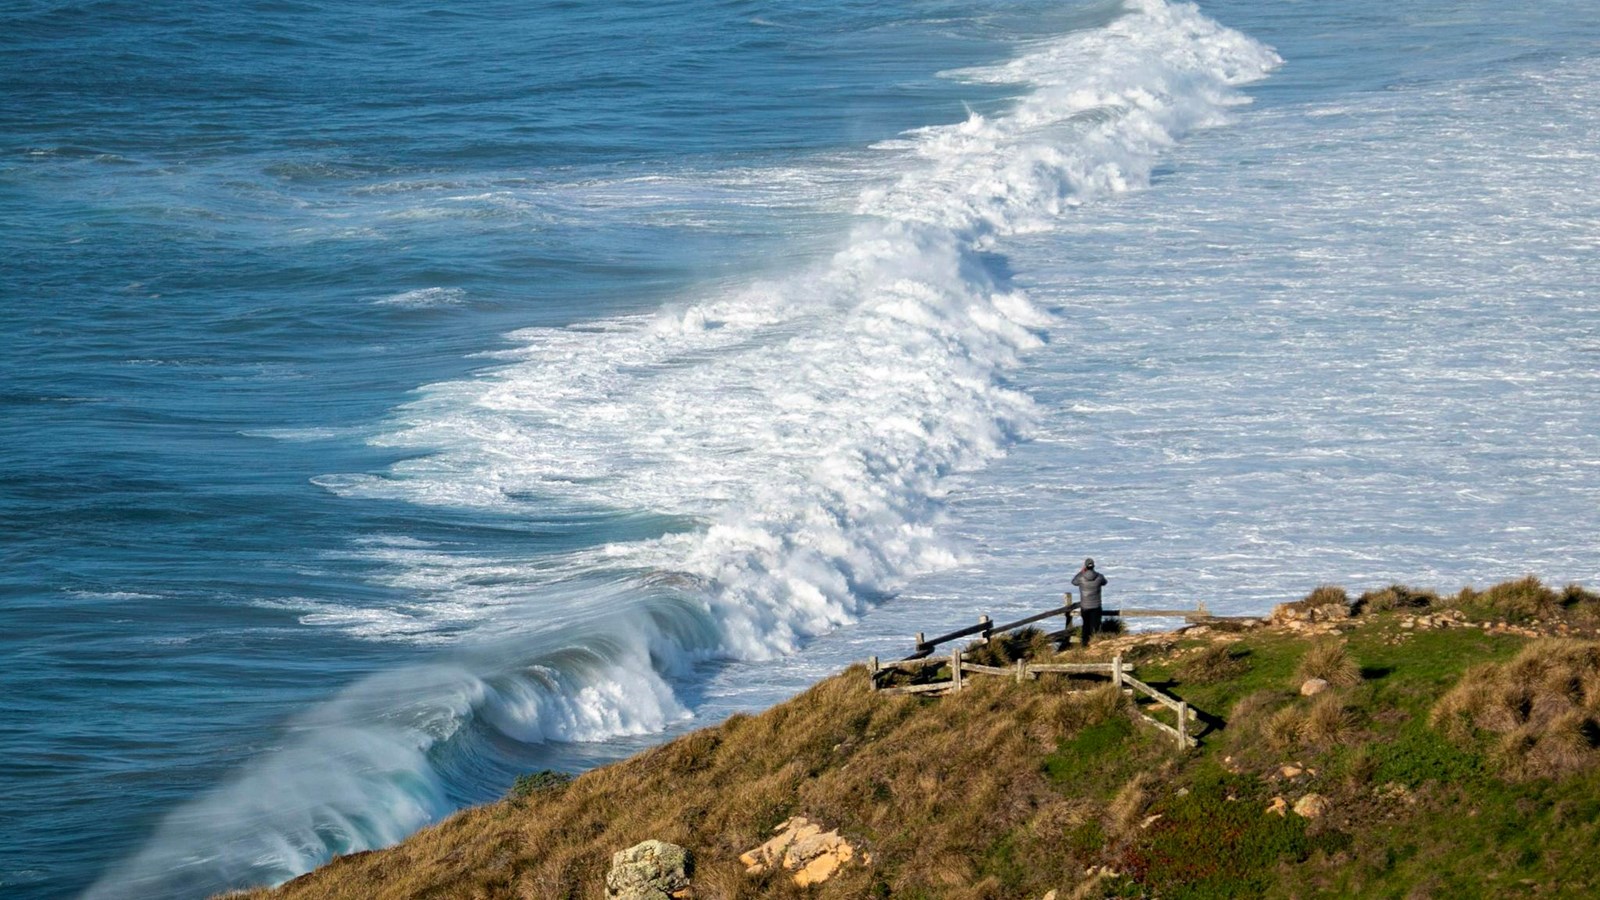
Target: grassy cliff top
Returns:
[1453, 753]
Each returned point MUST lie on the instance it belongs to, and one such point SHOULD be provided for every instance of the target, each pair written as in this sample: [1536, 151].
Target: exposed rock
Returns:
[1150, 820]
[1313, 687]
[1291, 771]
[1279, 806]
[652, 870]
[1311, 806]
[1300, 612]
[802, 847]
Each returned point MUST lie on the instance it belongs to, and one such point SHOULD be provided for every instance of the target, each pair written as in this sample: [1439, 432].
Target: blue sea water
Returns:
[394, 398]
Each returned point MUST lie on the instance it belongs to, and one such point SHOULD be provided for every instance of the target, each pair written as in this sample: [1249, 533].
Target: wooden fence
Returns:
[1119, 672]
[922, 646]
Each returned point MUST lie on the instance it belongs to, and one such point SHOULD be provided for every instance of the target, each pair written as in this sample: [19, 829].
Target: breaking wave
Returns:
[783, 447]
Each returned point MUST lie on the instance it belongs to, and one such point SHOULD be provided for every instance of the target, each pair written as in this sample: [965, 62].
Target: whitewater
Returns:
[800, 430]
[1234, 309]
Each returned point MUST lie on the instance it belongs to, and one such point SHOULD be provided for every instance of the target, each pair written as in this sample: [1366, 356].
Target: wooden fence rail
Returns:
[1179, 708]
[923, 647]
[1121, 675]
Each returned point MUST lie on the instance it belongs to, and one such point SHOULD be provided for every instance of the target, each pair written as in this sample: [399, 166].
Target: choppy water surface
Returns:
[396, 399]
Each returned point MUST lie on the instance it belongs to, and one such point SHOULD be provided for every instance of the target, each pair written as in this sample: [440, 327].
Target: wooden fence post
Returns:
[919, 642]
[1183, 727]
[955, 669]
[1022, 671]
[872, 666]
[1116, 670]
[985, 621]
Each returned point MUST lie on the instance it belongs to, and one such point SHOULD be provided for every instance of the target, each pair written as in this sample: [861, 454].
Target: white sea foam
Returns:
[809, 425]
[1322, 351]
[113, 595]
[425, 298]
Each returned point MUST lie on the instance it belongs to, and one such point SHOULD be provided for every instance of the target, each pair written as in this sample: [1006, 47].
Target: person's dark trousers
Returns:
[1091, 624]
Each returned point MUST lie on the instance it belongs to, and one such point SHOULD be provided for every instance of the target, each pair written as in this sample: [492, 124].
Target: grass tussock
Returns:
[1540, 710]
[1395, 597]
[1215, 663]
[1330, 661]
[1322, 597]
[1324, 594]
[1322, 723]
[1329, 721]
[1281, 730]
[1128, 806]
[1523, 600]
[1528, 600]
[1006, 649]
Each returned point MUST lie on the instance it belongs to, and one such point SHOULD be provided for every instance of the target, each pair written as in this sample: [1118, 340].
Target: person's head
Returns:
[1088, 564]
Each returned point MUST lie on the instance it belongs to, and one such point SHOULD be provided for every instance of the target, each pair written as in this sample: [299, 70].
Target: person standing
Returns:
[1089, 582]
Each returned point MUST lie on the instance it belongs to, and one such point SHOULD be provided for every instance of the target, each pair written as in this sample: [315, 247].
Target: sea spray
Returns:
[800, 432]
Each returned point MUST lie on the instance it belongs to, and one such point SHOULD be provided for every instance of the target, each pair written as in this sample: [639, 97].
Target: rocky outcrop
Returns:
[652, 870]
[802, 847]
[1302, 613]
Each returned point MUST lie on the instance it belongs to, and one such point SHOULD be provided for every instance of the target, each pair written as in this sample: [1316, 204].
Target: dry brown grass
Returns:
[1325, 721]
[1324, 594]
[924, 785]
[1212, 664]
[1330, 661]
[1321, 597]
[1543, 707]
[1328, 721]
[1283, 728]
[1525, 598]
[1395, 596]
[1005, 649]
[1128, 806]
[1528, 599]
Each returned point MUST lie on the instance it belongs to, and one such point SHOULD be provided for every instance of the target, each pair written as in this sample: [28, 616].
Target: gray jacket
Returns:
[1089, 582]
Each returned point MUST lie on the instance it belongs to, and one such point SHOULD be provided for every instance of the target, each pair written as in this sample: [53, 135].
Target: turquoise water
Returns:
[397, 398]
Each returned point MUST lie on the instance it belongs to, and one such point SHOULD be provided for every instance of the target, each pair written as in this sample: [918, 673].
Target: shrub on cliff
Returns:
[1395, 596]
[1540, 711]
[1330, 661]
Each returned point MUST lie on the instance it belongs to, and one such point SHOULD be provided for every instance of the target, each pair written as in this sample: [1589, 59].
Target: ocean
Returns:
[396, 398]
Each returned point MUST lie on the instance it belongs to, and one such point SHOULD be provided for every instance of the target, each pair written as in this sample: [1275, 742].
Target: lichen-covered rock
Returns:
[1313, 686]
[1311, 806]
[802, 847]
[652, 870]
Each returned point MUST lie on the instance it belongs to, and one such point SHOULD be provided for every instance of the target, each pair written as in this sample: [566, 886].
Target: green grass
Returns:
[1460, 829]
[1215, 841]
[542, 780]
